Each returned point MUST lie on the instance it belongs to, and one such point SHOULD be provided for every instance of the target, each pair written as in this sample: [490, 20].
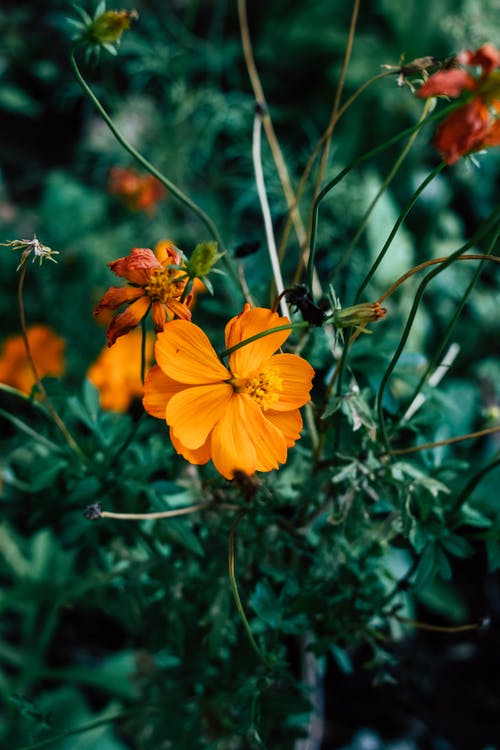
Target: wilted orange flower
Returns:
[47, 352]
[476, 125]
[139, 192]
[156, 282]
[117, 372]
[245, 416]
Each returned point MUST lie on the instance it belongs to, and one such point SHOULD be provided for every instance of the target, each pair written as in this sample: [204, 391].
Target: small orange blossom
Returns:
[117, 371]
[47, 352]
[156, 282]
[244, 416]
[139, 192]
[475, 125]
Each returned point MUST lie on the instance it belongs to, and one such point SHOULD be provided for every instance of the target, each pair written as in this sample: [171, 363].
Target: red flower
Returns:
[138, 192]
[156, 282]
[476, 125]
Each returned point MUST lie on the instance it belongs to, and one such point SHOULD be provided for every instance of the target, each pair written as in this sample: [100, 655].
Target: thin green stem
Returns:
[474, 481]
[385, 184]
[487, 227]
[257, 336]
[236, 594]
[402, 216]
[39, 385]
[356, 162]
[448, 331]
[143, 349]
[20, 425]
[174, 190]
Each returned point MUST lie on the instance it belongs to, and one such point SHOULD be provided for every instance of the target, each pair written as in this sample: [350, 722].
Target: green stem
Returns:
[236, 594]
[402, 216]
[447, 333]
[385, 184]
[257, 336]
[359, 160]
[30, 432]
[474, 481]
[177, 192]
[143, 349]
[487, 226]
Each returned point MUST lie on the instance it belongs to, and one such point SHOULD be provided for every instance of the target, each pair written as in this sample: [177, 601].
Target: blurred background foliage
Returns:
[137, 621]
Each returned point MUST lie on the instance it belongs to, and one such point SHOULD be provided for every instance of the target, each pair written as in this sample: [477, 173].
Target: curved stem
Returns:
[236, 594]
[176, 191]
[257, 336]
[472, 483]
[340, 87]
[438, 443]
[494, 218]
[356, 162]
[41, 388]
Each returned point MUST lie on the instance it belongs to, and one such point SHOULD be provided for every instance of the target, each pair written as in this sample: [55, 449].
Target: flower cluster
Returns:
[157, 281]
[476, 124]
[139, 192]
[244, 416]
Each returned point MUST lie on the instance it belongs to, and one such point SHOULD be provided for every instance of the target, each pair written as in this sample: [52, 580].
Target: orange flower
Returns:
[245, 416]
[139, 192]
[117, 372]
[156, 282]
[475, 125]
[47, 352]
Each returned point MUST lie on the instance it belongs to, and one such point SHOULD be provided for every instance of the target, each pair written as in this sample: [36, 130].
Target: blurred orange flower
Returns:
[139, 192]
[245, 416]
[156, 280]
[117, 371]
[475, 125]
[46, 349]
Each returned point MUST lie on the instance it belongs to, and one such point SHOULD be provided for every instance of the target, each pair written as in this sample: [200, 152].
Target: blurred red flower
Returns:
[139, 192]
[46, 349]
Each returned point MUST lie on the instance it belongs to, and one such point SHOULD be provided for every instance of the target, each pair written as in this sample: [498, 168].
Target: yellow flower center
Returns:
[264, 387]
[164, 284]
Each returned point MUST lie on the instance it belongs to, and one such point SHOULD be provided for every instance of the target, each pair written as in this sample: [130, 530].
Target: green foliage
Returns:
[125, 633]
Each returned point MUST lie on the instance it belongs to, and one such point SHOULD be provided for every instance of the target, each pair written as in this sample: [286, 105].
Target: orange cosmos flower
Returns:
[47, 352]
[117, 372]
[156, 282]
[245, 416]
[139, 192]
[476, 125]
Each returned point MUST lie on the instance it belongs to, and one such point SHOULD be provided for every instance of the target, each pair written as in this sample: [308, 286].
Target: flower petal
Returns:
[158, 390]
[232, 448]
[463, 131]
[266, 437]
[136, 267]
[447, 83]
[184, 353]
[200, 455]
[117, 296]
[193, 412]
[487, 56]
[288, 422]
[297, 375]
[243, 362]
[128, 319]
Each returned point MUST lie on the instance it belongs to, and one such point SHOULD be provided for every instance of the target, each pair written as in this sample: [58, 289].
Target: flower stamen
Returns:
[263, 388]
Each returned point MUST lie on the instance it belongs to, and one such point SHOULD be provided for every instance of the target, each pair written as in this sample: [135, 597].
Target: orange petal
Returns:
[117, 296]
[463, 131]
[447, 83]
[297, 375]
[487, 56]
[198, 456]
[492, 137]
[158, 390]
[232, 448]
[288, 422]
[166, 254]
[136, 267]
[193, 412]
[267, 439]
[158, 315]
[179, 309]
[128, 319]
[185, 354]
[243, 362]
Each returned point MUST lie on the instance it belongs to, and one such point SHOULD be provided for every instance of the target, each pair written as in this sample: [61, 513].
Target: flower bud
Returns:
[358, 316]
